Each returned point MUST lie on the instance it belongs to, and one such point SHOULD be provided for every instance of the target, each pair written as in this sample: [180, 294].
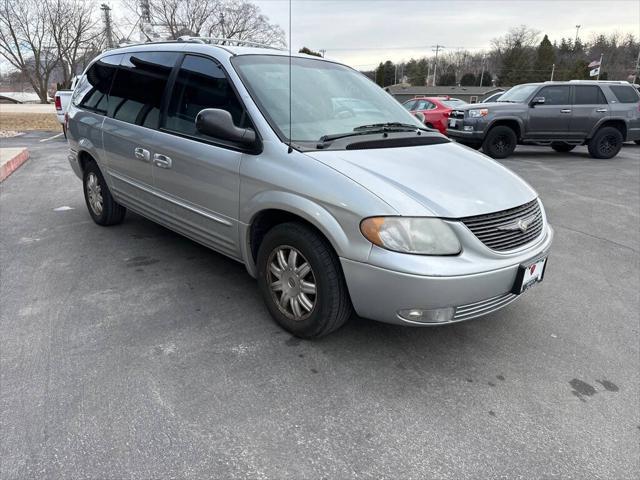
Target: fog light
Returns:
[419, 315]
[468, 128]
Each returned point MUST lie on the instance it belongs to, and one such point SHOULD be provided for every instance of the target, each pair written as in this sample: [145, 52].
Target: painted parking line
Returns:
[50, 138]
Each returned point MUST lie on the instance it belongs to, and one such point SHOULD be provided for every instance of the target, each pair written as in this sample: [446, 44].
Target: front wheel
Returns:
[500, 142]
[301, 281]
[606, 143]
[562, 147]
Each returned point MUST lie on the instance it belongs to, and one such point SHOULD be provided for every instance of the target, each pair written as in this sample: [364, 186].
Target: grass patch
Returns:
[23, 122]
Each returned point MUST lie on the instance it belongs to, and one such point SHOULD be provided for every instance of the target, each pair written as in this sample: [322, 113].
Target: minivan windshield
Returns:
[328, 99]
[518, 94]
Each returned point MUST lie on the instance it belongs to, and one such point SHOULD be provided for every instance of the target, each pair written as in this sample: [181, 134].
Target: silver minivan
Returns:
[333, 195]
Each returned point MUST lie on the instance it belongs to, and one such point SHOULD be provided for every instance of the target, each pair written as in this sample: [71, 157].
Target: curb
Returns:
[11, 165]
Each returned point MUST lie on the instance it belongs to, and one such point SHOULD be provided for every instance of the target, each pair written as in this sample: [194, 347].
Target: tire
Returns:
[562, 147]
[500, 142]
[606, 143]
[104, 210]
[326, 310]
[637, 142]
[64, 131]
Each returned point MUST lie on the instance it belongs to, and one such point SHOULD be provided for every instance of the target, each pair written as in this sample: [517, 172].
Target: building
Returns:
[403, 92]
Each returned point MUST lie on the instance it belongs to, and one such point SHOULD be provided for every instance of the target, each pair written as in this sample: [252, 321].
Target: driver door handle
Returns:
[161, 161]
[601, 110]
[565, 110]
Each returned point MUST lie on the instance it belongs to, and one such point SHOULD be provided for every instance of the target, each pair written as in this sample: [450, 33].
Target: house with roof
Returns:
[403, 92]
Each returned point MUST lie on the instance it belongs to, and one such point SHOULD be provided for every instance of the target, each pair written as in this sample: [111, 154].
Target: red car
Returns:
[436, 110]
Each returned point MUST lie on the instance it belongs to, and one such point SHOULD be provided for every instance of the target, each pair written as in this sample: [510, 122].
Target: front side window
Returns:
[201, 83]
[327, 98]
[92, 91]
[409, 104]
[138, 89]
[555, 95]
[588, 95]
[625, 94]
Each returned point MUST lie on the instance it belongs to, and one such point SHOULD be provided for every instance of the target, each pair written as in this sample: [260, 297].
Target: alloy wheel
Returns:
[291, 282]
[94, 193]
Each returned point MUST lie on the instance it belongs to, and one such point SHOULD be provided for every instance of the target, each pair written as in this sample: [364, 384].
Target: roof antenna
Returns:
[290, 117]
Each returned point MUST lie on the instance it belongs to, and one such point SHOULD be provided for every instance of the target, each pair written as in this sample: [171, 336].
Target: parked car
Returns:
[331, 213]
[599, 114]
[435, 110]
[493, 98]
[61, 100]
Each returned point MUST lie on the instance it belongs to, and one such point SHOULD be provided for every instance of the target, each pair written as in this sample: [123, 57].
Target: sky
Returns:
[361, 33]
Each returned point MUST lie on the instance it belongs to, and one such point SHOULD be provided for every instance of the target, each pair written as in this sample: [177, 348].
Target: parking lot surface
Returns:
[132, 352]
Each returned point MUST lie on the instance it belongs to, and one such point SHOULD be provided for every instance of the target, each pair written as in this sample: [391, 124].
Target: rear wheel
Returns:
[500, 142]
[562, 147]
[606, 143]
[301, 281]
[104, 210]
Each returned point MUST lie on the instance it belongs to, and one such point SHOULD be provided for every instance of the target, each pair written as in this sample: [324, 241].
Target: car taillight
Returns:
[58, 103]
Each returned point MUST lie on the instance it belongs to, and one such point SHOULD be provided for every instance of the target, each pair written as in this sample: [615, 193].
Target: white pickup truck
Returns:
[62, 99]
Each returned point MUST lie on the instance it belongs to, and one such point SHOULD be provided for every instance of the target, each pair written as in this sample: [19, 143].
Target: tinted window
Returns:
[554, 95]
[92, 91]
[136, 95]
[409, 105]
[588, 95]
[625, 94]
[201, 83]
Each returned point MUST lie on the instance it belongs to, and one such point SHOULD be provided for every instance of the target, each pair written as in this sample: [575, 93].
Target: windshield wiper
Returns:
[374, 128]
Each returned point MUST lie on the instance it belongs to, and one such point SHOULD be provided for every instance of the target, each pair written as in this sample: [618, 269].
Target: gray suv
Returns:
[599, 114]
[335, 198]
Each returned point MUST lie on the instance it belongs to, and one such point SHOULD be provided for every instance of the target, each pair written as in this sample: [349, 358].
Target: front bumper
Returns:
[381, 293]
[473, 136]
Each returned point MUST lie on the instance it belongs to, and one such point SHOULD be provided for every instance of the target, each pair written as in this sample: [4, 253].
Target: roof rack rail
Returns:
[225, 42]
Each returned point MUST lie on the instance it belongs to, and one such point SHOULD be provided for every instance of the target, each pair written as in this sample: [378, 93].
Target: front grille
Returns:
[484, 307]
[501, 230]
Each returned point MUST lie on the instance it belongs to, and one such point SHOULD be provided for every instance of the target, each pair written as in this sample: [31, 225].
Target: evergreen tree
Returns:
[448, 78]
[487, 78]
[545, 58]
[469, 80]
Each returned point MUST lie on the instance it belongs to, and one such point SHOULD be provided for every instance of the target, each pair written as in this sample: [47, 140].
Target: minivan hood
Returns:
[445, 180]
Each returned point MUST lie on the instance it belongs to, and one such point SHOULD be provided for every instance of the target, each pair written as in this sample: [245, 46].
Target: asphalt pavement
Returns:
[132, 352]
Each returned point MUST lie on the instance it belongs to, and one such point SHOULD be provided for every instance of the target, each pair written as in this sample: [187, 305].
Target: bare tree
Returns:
[26, 41]
[243, 20]
[182, 15]
[74, 31]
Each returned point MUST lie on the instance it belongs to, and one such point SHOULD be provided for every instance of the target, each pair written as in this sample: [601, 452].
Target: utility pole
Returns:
[426, 80]
[436, 48]
[322, 52]
[635, 77]
[553, 69]
[577, 31]
[108, 30]
[482, 73]
[395, 75]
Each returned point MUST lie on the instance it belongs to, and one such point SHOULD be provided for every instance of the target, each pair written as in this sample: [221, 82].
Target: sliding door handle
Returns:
[141, 154]
[162, 161]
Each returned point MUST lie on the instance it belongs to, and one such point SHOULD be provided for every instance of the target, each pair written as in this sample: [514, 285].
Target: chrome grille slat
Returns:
[484, 307]
[487, 227]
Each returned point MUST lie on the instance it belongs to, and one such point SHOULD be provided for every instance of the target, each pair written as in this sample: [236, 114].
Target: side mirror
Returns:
[219, 123]
[537, 101]
[420, 116]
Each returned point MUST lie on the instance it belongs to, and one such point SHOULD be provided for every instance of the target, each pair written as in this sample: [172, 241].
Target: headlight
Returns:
[479, 112]
[422, 236]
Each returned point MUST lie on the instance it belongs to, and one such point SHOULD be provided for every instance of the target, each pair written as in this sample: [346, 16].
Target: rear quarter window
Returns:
[625, 94]
[92, 91]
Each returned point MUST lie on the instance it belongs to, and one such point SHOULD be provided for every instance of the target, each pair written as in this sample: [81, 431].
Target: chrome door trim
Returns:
[186, 206]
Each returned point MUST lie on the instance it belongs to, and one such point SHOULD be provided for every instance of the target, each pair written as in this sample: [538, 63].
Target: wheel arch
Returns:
[512, 122]
[610, 122]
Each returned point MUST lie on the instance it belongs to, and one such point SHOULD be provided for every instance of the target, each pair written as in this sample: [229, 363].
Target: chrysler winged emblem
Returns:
[521, 224]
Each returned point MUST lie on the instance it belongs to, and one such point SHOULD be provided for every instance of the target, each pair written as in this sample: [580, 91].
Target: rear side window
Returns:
[138, 89]
[409, 105]
[201, 83]
[555, 95]
[588, 95]
[92, 91]
[625, 94]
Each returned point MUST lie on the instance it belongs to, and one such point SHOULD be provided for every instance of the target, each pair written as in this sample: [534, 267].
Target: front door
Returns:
[550, 120]
[130, 131]
[196, 175]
